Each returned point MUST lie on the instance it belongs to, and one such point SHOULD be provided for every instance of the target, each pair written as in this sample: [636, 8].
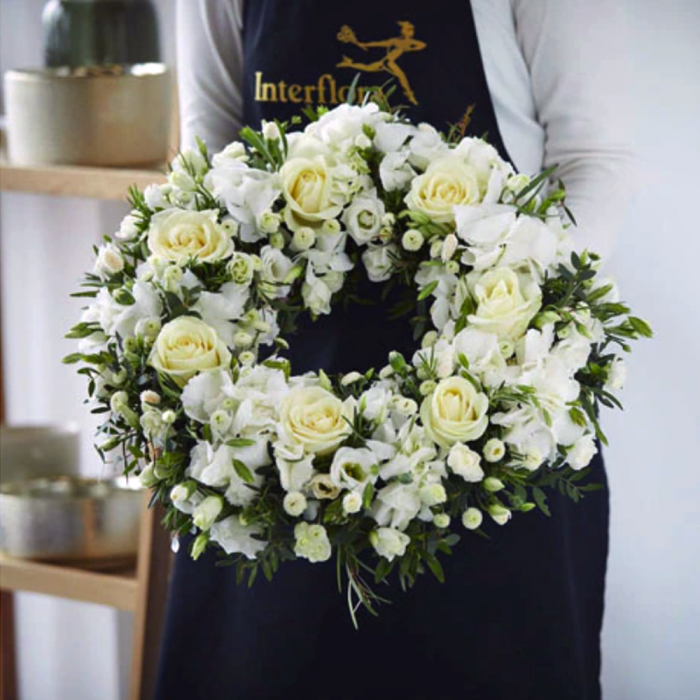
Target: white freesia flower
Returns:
[389, 543]
[395, 172]
[129, 228]
[204, 515]
[353, 467]
[465, 463]
[363, 217]
[617, 375]
[396, 505]
[425, 146]
[582, 452]
[311, 542]
[483, 354]
[378, 261]
[374, 403]
[275, 268]
[219, 310]
[204, 394]
[235, 538]
[390, 137]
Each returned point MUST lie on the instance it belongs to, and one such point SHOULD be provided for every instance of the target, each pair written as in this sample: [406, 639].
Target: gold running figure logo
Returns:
[395, 47]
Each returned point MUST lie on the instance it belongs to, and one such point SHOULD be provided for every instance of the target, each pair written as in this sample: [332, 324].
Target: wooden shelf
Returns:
[116, 589]
[75, 181]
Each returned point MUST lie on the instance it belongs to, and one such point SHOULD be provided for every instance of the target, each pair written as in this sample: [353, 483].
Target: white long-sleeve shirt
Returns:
[556, 71]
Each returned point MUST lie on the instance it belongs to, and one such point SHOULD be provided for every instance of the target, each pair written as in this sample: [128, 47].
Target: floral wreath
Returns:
[515, 351]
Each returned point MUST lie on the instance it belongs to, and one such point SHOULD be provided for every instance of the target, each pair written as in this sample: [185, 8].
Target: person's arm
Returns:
[576, 54]
[210, 70]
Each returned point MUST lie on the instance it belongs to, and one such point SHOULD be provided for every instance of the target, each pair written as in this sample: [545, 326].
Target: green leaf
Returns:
[434, 565]
[428, 290]
[240, 442]
[72, 359]
[541, 500]
[243, 471]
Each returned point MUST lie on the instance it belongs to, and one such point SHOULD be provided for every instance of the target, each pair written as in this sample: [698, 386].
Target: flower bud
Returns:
[199, 545]
[241, 339]
[277, 240]
[352, 502]
[427, 387]
[294, 503]
[330, 226]
[429, 339]
[206, 513]
[449, 246]
[499, 513]
[304, 238]
[271, 131]
[441, 520]
[169, 417]
[221, 421]
[492, 484]
[269, 222]
[452, 267]
[246, 358]
[494, 450]
[412, 240]
[182, 492]
[148, 477]
[109, 260]
[350, 378]
[433, 494]
[472, 518]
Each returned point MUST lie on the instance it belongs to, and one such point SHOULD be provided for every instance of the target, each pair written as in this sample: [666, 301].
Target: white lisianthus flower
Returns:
[506, 301]
[494, 450]
[150, 398]
[353, 467]
[404, 406]
[448, 182]
[465, 463]
[378, 261]
[206, 513]
[312, 542]
[499, 513]
[363, 217]
[617, 375]
[472, 518]
[109, 260]
[294, 503]
[242, 268]
[315, 419]
[455, 412]
[582, 452]
[177, 235]
[352, 502]
[389, 543]
[323, 488]
[295, 473]
[186, 346]
[235, 538]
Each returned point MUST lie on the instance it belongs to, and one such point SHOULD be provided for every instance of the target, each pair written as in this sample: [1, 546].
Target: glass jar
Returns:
[99, 32]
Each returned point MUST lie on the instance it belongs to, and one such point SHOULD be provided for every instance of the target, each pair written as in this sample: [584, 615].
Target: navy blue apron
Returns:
[520, 614]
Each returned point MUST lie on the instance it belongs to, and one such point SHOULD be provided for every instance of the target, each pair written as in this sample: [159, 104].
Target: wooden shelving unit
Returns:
[76, 181]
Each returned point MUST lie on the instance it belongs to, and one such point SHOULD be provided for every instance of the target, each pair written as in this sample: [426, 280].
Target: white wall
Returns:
[651, 641]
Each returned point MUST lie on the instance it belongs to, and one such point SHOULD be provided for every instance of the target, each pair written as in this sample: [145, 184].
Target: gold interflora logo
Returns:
[327, 90]
[395, 47]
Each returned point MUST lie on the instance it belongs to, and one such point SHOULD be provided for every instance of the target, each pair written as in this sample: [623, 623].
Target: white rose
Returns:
[389, 543]
[353, 467]
[582, 452]
[465, 463]
[109, 260]
[177, 236]
[379, 260]
[312, 542]
[308, 188]
[186, 346]
[363, 218]
[454, 412]
[448, 182]
[314, 418]
[235, 538]
[617, 375]
[506, 301]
